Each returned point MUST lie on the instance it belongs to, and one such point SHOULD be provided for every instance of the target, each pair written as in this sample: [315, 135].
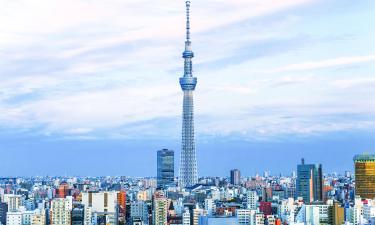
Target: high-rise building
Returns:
[186, 217]
[338, 215]
[139, 210]
[188, 167]
[365, 175]
[121, 200]
[165, 166]
[78, 214]
[252, 200]
[13, 201]
[61, 211]
[160, 210]
[3, 212]
[310, 182]
[235, 177]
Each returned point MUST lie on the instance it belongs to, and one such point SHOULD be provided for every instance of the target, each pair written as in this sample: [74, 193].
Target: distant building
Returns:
[165, 168]
[310, 182]
[235, 177]
[365, 175]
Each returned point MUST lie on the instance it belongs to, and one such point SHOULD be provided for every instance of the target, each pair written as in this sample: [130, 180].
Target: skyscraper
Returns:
[235, 177]
[188, 168]
[310, 182]
[365, 175]
[165, 168]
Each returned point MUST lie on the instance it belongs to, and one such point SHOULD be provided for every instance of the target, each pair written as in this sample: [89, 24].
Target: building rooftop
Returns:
[364, 157]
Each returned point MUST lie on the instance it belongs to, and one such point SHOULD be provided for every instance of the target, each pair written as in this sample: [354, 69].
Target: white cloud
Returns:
[82, 67]
[335, 62]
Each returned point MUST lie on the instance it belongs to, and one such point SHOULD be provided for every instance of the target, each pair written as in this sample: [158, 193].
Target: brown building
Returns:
[365, 175]
[337, 214]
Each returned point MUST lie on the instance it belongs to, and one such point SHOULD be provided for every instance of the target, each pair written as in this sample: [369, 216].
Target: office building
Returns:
[165, 168]
[310, 182]
[365, 175]
[235, 177]
[188, 166]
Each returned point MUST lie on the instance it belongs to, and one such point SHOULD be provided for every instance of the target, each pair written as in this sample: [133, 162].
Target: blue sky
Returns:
[86, 82]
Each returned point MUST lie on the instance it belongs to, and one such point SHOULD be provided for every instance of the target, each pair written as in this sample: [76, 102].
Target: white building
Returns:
[246, 216]
[102, 205]
[14, 202]
[186, 217]
[252, 199]
[60, 213]
[209, 206]
[160, 211]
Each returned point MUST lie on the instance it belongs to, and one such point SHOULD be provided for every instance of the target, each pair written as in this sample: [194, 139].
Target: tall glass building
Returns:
[165, 168]
[365, 175]
[309, 182]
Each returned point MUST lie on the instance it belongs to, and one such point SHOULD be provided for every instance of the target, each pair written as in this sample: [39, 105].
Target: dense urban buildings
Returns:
[165, 168]
[255, 200]
[188, 166]
[365, 175]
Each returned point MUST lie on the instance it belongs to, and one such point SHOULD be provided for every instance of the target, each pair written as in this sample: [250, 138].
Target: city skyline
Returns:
[275, 84]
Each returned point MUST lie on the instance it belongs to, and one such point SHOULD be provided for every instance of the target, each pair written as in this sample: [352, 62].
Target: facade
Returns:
[252, 200]
[235, 177]
[39, 218]
[160, 211]
[78, 215]
[3, 212]
[188, 166]
[186, 217]
[121, 200]
[365, 175]
[13, 201]
[61, 211]
[139, 210]
[310, 182]
[165, 168]
[246, 216]
[103, 205]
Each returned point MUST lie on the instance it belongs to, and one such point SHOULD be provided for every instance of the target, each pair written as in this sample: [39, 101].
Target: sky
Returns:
[90, 87]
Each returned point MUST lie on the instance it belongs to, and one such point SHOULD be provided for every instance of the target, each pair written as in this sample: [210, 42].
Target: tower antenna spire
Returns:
[187, 20]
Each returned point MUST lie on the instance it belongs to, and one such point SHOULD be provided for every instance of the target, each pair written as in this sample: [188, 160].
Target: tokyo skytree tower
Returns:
[188, 167]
